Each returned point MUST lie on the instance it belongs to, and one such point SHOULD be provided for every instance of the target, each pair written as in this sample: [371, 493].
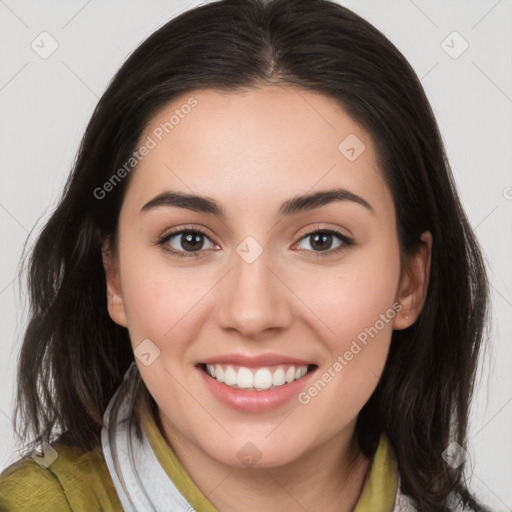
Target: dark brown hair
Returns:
[74, 356]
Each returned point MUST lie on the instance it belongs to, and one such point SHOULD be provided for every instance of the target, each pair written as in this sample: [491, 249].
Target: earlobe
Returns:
[115, 302]
[414, 283]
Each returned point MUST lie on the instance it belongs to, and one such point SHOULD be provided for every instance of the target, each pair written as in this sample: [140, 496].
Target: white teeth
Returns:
[290, 374]
[219, 373]
[230, 376]
[256, 379]
[278, 377]
[263, 379]
[244, 378]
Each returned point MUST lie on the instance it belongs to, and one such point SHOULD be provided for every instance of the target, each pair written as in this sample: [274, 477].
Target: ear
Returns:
[115, 302]
[412, 289]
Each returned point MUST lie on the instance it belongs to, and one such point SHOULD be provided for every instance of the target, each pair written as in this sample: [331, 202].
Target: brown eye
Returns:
[323, 240]
[185, 243]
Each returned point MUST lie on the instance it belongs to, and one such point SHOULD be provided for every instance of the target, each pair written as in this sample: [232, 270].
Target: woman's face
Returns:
[267, 290]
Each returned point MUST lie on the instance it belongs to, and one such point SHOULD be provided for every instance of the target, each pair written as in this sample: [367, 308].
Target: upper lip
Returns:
[252, 361]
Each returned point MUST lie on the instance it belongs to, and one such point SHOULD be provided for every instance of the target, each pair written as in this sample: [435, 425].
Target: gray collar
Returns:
[140, 481]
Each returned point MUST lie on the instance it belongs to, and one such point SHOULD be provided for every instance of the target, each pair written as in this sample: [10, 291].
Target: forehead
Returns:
[257, 143]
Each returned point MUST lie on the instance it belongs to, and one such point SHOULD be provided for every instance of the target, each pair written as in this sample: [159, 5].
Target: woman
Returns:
[259, 290]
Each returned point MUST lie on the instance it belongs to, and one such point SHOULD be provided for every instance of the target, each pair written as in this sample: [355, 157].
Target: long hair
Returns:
[74, 356]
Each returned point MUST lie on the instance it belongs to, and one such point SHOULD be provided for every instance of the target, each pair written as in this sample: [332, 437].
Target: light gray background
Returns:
[46, 103]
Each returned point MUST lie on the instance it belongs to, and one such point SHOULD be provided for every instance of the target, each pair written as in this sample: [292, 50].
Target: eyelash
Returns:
[346, 242]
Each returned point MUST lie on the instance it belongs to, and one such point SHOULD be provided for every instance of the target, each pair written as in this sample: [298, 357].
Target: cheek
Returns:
[356, 307]
[158, 298]
[161, 304]
[352, 296]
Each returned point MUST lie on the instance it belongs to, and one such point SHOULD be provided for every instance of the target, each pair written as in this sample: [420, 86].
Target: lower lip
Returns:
[255, 401]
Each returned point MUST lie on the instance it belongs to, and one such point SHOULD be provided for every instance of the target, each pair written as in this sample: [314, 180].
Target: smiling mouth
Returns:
[256, 379]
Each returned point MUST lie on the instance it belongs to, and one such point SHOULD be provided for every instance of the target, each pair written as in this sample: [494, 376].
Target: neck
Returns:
[329, 477]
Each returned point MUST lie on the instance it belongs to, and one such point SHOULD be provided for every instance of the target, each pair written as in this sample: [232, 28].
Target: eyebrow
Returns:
[297, 204]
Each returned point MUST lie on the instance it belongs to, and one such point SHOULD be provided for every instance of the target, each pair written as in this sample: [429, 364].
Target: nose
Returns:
[253, 298]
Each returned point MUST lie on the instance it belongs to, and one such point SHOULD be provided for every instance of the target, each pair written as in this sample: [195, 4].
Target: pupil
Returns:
[320, 239]
[193, 241]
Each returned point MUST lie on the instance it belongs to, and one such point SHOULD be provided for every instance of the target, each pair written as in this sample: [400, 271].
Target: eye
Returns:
[322, 240]
[190, 243]
[185, 243]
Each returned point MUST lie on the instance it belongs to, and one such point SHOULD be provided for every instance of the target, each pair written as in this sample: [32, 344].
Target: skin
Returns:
[250, 151]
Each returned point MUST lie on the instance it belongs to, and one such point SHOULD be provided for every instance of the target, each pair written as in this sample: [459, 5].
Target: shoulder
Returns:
[455, 502]
[64, 479]
[26, 486]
